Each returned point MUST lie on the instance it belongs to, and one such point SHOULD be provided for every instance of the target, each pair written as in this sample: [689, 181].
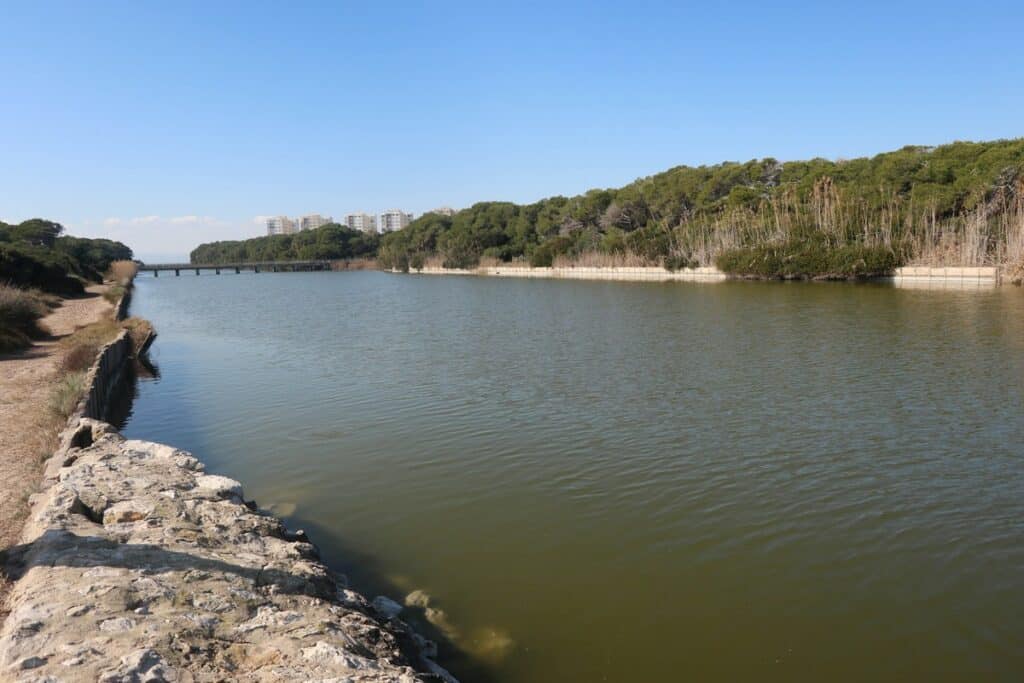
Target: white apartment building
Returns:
[280, 225]
[393, 219]
[361, 221]
[313, 221]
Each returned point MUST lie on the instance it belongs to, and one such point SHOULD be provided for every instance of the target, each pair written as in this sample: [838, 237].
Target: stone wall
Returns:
[137, 565]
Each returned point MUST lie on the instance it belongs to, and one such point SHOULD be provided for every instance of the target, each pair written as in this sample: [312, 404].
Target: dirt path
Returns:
[26, 428]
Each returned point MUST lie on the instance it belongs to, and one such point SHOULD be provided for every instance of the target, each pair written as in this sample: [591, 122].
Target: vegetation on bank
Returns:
[36, 254]
[329, 242]
[20, 313]
[120, 275]
[959, 204]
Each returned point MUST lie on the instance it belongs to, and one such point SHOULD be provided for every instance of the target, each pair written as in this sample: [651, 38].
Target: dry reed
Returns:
[122, 272]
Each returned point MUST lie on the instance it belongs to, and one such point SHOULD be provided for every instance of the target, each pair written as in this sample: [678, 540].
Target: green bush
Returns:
[33, 254]
[31, 266]
[674, 263]
[544, 255]
[20, 311]
[808, 259]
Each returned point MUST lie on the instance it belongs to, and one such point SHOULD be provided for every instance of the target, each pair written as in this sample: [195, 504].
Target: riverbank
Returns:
[137, 565]
[134, 564]
[27, 428]
[910, 275]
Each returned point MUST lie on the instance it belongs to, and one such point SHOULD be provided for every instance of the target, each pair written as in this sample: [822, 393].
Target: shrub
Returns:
[32, 266]
[114, 293]
[78, 357]
[544, 255]
[674, 263]
[808, 259]
[20, 311]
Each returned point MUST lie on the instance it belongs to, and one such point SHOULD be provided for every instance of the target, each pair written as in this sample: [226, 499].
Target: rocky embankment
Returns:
[136, 565]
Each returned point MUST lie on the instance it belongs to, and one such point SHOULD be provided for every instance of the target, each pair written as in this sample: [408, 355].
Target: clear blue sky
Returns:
[167, 124]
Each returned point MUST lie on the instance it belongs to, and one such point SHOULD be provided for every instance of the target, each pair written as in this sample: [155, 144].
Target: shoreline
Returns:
[28, 379]
[135, 564]
[983, 276]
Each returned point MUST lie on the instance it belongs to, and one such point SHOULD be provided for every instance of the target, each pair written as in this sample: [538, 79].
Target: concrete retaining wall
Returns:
[987, 276]
[104, 378]
[121, 309]
[655, 274]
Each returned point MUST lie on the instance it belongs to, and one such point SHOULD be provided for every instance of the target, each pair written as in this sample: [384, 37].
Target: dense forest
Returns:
[957, 204]
[331, 241]
[37, 254]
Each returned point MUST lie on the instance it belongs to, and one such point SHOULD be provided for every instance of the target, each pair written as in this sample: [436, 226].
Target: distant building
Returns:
[392, 220]
[313, 221]
[444, 211]
[280, 225]
[363, 222]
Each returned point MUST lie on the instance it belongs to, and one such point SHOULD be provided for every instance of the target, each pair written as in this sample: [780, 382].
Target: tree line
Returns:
[956, 204]
[36, 253]
[329, 242]
[959, 203]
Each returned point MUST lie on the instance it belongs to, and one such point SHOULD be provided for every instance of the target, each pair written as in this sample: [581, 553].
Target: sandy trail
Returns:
[27, 379]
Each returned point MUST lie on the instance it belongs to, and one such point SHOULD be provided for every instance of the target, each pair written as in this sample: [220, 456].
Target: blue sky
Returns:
[168, 124]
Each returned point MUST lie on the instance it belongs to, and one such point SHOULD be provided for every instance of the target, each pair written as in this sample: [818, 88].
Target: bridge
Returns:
[238, 267]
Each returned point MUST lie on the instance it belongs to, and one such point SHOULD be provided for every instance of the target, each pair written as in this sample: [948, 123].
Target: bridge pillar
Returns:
[177, 273]
[238, 271]
[197, 271]
[156, 273]
[218, 270]
[255, 269]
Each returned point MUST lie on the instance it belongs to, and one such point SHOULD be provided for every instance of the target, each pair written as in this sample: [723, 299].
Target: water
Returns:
[629, 481]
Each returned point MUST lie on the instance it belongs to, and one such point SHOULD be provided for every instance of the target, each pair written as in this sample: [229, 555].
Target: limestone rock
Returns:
[386, 606]
[418, 598]
[220, 486]
[134, 565]
[126, 511]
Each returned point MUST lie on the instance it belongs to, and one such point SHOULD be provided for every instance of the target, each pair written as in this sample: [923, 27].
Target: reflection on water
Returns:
[628, 481]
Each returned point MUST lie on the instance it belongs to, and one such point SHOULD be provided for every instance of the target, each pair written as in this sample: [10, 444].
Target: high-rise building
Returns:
[280, 225]
[392, 220]
[361, 221]
[313, 221]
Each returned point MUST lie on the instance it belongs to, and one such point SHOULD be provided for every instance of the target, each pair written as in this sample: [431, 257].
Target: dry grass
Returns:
[67, 394]
[596, 259]
[122, 272]
[94, 335]
[140, 330]
[85, 342]
[77, 358]
[20, 312]
[355, 264]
